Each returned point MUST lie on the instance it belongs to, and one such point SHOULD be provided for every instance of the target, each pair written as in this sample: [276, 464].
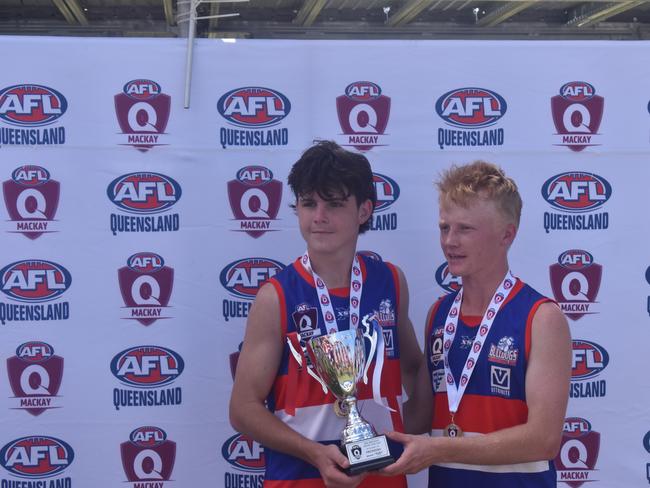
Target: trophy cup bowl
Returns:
[339, 359]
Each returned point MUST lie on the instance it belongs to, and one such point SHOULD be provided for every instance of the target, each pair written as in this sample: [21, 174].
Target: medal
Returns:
[452, 430]
[340, 408]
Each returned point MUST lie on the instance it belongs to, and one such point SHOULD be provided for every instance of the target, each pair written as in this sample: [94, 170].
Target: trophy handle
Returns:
[301, 358]
[370, 333]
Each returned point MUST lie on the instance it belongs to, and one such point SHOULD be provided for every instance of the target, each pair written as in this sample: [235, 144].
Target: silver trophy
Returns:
[340, 361]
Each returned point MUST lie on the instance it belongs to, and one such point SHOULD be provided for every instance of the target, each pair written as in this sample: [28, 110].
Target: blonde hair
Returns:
[463, 185]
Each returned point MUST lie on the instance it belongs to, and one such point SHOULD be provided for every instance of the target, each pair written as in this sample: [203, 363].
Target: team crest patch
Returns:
[504, 352]
[305, 319]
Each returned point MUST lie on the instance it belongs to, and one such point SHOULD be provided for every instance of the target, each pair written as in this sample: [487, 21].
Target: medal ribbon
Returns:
[455, 393]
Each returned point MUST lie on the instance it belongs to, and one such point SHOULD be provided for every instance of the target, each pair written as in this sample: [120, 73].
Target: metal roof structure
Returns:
[332, 19]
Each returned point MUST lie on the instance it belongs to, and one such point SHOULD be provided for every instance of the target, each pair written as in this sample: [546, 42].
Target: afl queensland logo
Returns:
[446, 280]
[34, 280]
[142, 113]
[577, 114]
[30, 108]
[255, 109]
[31, 197]
[254, 198]
[363, 113]
[242, 278]
[244, 454]
[387, 191]
[36, 457]
[35, 374]
[147, 366]
[148, 455]
[575, 281]
[472, 110]
[580, 445]
[579, 196]
[146, 286]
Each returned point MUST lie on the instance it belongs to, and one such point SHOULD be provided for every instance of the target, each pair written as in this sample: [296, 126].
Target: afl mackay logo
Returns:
[35, 374]
[576, 199]
[37, 460]
[575, 281]
[148, 457]
[34, 283]
[446, 280]
[577, 113]
[242, 279]
[387, 192]
[147, 197]
[576, 461]
[147, 372]
[254, 114]
[254, 198]
[588, 362]
[146, 286]
[142, 112]
[363, 114]
[29, 110]
[246, 459]
[31, 197]
[471, 113]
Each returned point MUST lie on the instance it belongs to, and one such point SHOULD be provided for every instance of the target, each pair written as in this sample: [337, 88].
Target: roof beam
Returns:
[503, 13]
[169, 12]
[408, 12]
[308, 12]
[77, 11]
[603, 13]
[214, 21]
[63, 8]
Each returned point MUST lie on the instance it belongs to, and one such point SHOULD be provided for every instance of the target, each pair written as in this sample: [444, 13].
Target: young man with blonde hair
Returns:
[498, 353]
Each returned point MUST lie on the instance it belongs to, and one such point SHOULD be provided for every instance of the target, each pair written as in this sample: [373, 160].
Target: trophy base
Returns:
[367, 455]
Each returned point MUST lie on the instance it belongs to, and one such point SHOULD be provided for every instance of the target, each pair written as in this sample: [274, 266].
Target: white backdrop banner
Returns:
[135, 233]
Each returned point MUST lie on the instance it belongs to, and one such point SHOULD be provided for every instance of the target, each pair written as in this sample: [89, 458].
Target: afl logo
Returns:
[148, 436]
[363, 91]
[34, 352]
[576, 426]
[254, 175]
[34, 280]
[589, 359]
[577, 91]
[30, 175]
[36, 457]
[145, 262]
[576, 191]
[254, 107]
[242, 278]
[575, 259]
[446, 280]
[142, 89]
[387, 191]
[147, 366]
[144, 193]
[244, 453]
[31, 105]
[471, 107]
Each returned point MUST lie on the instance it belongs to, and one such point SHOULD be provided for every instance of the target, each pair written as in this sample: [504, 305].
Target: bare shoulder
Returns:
[549, 319]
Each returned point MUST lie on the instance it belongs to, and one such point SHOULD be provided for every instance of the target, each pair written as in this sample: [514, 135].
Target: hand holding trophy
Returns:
[340, 359]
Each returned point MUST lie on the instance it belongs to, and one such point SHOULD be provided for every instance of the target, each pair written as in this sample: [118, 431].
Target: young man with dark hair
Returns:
[276, 398]
[498, 353]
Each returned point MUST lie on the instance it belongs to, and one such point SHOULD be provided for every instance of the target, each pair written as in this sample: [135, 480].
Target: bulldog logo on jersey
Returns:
[254, 200]
[148, 457]
[142, 111]
[31, 198]
[363, 114]
[577, 113]
[35, 377]
[146, 286]
[576, 461]
[575, 281]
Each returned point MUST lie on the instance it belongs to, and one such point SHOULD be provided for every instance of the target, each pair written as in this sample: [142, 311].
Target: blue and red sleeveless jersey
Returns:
[495, 397]
[298, 399]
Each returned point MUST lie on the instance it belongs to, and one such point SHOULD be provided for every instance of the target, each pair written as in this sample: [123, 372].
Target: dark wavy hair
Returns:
[333, 172]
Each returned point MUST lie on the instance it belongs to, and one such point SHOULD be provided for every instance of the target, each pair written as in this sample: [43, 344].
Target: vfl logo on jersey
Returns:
[576, 461]
[588, 361]
[142, 111]
[446, 280]
[575, 281]
[253, 109]
[577, 113]
[472, 110]
[578, 195]
[144, 194]
[35, 375]
[387, 191]
[244, 454]
[146, 285]
[500, 380]
[254, 199]
[363, 114]
[37, 457]
[504, 352]
[148, 456]
[31, 198]
[30, 108]
[305, 320]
